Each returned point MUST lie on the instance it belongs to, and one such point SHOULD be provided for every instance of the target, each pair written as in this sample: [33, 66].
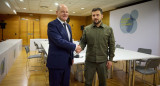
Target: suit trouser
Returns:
[91, 68]
[59, 77]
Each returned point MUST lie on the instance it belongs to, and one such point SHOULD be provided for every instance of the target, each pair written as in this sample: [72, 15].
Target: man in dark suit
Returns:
[61, 47]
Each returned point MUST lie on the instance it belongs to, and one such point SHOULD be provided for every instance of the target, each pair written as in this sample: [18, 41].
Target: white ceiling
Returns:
[35, 6]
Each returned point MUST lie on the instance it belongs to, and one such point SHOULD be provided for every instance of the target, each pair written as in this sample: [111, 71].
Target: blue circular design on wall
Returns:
[128, 23]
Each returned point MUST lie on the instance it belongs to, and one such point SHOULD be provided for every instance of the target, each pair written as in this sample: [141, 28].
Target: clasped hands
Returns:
[78, 49]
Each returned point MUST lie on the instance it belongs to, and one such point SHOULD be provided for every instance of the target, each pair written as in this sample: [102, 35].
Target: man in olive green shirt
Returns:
[100, 42]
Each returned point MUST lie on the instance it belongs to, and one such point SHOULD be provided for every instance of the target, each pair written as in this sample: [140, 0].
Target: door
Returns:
[29, 29]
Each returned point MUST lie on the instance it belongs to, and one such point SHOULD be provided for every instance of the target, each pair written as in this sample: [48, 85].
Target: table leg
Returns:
[82, 65]
[155, 78]
[133, 74]
[129, 73]
[126, 66]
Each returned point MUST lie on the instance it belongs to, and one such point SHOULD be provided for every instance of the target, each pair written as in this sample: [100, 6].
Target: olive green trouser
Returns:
[91, 68]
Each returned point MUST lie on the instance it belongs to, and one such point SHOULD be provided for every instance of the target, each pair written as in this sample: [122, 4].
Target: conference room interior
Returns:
[33, 26]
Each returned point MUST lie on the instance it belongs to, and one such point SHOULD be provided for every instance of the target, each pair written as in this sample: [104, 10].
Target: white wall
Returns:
[147, 34]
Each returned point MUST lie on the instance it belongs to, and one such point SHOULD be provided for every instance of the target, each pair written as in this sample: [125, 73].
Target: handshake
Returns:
[78, 49]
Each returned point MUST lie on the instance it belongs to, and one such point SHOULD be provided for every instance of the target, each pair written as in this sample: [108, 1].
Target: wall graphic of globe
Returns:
[128, 23]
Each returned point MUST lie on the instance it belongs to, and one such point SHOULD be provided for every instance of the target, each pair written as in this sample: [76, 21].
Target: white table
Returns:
[120, 54]
[9, 51]
[131, 56]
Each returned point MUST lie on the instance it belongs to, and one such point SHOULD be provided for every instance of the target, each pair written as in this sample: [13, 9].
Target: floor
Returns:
[17, 76]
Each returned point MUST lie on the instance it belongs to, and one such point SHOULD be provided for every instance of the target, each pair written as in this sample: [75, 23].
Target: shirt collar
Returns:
[101, 26]
[61, 21]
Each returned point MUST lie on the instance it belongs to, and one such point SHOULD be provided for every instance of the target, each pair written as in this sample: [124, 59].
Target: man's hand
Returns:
[109, 64]
[78, 49]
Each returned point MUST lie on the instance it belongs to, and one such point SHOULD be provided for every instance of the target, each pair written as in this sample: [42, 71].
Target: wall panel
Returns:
[36, 30]
[76, 22]
[36, 25]
[44, 20]
[11, 30]
[31, 26]
[24, 31]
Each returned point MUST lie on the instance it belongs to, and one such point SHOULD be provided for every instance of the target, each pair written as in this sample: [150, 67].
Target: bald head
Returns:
[61, 6]
[62, 12]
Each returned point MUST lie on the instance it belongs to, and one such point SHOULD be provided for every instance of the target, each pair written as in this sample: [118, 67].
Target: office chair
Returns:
[29, 57]
[119, 46]
[38, 48]
[149, 68]
[44, 62]
[44, 55]
[143, 50]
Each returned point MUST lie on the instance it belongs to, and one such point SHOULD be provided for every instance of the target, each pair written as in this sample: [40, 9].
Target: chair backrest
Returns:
[152, 63]
[43, 51]
[118, 46]
[36, 45]
[27, 49]
[144, 50]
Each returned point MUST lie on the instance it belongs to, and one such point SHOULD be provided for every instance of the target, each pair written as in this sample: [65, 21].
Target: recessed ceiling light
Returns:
[14, 11]
[50, 10]
[74, 12]
[7, 4]
[21, 0]
[56, 4]
[25, 8]
[82, 8]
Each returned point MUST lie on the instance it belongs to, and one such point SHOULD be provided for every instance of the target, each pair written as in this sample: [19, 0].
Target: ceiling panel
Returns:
[43, 6]
[4, 9]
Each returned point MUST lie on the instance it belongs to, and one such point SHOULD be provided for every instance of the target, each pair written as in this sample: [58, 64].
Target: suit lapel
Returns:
[62, 30]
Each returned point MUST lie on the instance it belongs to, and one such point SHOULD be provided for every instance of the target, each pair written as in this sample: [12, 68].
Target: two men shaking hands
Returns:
[78, 49]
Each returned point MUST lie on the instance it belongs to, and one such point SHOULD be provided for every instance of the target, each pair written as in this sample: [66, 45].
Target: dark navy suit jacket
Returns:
[60, 52]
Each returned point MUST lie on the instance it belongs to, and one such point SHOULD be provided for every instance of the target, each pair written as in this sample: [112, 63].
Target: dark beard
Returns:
[97, 22]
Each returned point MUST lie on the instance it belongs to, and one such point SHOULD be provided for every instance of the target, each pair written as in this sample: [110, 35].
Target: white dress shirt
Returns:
[68, 33]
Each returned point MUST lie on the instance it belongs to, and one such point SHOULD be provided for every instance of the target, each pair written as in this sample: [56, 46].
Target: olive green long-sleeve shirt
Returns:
[100, 43]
